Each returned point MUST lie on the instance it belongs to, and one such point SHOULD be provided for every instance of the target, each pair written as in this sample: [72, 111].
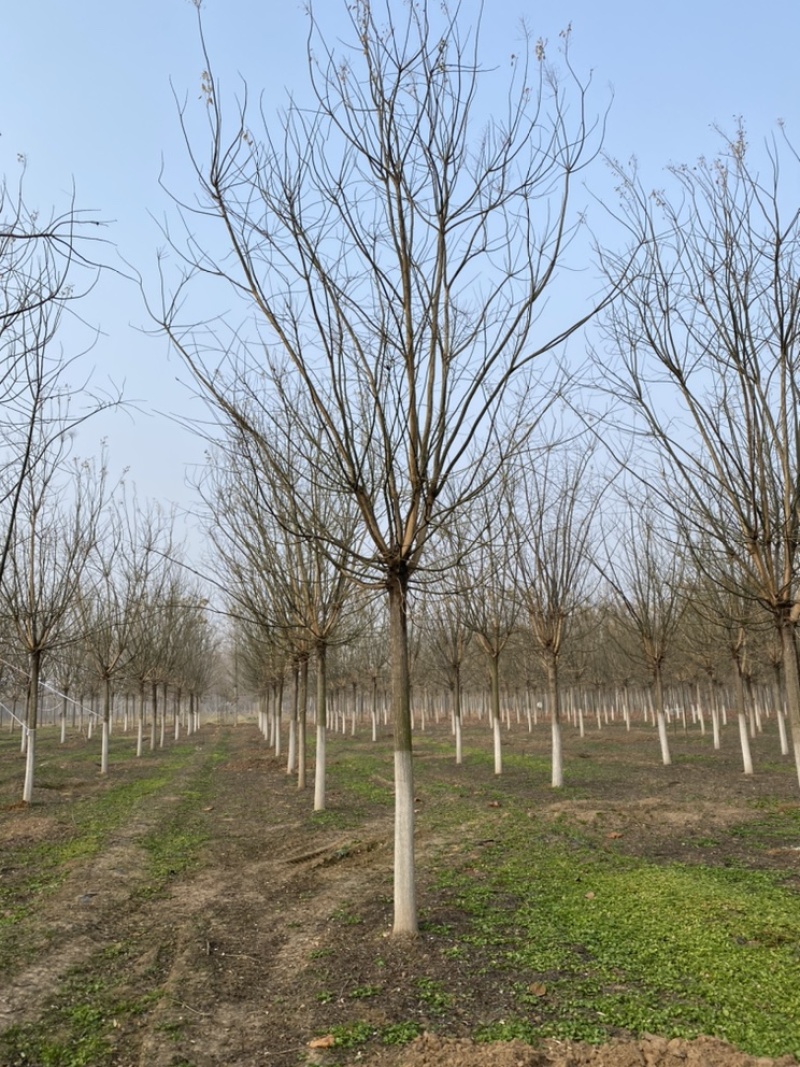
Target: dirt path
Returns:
[249, 951]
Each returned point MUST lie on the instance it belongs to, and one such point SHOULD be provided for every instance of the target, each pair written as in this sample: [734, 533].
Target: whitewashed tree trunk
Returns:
[106, 726]
[322, 726]
[301, 725]
[660, 717]
[744, 736]
[782, 732]
[405, 892]
[747, 759]
[30, 764]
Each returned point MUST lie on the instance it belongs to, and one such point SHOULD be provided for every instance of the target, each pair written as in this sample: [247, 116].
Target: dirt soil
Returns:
[281, 931]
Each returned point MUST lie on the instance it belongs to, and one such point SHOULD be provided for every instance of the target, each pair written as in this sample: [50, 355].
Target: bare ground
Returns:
[280, 932]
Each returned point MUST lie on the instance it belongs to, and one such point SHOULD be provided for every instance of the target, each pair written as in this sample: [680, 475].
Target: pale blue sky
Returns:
[85, 95]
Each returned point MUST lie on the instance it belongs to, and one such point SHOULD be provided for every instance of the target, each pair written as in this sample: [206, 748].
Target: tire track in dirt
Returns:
[249, 926]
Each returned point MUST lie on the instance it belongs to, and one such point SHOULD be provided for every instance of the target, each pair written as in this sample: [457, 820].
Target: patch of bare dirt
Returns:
[431, 1051]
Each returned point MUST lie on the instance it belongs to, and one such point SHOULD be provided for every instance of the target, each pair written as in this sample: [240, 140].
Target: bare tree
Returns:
[491, 609]
[56, 526]
[448, 635]
[265, 530]
[705, 352]
[552, 524]
[45, 270]
[123, 565]
[395, 258]
[646, 575]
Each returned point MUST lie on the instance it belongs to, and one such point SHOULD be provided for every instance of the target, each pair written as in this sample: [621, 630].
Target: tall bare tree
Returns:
[394, 243]
[706, 352]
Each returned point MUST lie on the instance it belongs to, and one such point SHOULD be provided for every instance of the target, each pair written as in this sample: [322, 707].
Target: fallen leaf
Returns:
[328, 1041]
[539, 989]
[589, 895]
[494, 804]
[613, 835]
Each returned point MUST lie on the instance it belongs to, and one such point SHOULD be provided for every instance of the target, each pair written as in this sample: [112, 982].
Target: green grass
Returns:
[78, 1028]
[626, 944]
[85, 825]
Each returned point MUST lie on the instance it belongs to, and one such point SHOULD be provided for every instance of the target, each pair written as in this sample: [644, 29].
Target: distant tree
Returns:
[491, 608]
[56, 525]
[552, 524]
[276, 567]
[645, 574]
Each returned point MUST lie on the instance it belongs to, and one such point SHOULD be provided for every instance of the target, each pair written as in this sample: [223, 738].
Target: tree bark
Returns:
[792, 682]
[494, 673]
[322, 727]
[741, 712]
[660, 718]
[301, 725]
[557, 780]
[457, 715]
[405, 894]
[106, 726]
[32, 714]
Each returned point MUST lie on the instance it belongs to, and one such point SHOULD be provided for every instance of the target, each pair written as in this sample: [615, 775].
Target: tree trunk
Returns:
[457, 715]
[792, 682]
[32, 714]
[277, 695]
[660, 718]
[301, 726]
[554, 694]
[106, 726]
[322, 728]
[163, 731]
[153, 726]
[291, 755]
[494, 674]
[140, 721]
[374, 707]
[747, 759]
[405, 897]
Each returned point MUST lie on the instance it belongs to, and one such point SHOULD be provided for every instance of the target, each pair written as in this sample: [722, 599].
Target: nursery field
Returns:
[190, 910]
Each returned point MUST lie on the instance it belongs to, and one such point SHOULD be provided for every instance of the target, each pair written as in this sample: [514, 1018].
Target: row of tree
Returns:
[402, 251]
[398, 245]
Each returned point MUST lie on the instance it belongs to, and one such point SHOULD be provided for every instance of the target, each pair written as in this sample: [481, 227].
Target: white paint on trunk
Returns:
[319, 770]
[405, 893]
[498, 746]
[30, 762]
[662, 737]
[558, 761]
[747, 759]
[782, 733]
[104, 749]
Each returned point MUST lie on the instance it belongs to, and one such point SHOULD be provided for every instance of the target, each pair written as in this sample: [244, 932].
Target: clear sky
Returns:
[86, 95]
